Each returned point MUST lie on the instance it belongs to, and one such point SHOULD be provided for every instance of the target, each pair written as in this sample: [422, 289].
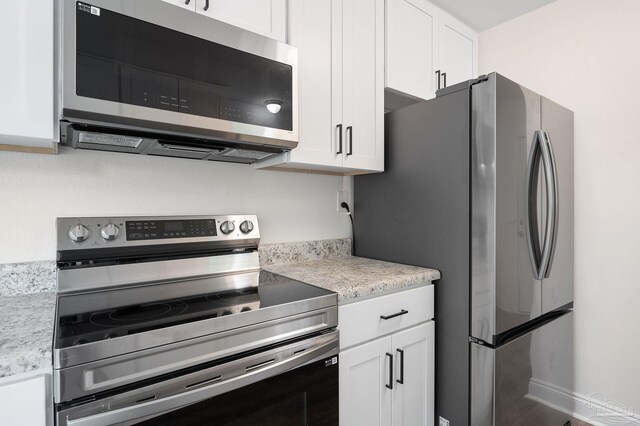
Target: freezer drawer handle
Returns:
[397, 314]
[390, 384]
[401, 378]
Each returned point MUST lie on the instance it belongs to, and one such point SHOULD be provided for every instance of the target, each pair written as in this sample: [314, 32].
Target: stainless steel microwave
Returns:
[147, 77]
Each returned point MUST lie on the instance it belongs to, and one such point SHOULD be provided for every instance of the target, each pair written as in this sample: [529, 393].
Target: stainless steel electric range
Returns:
[169, 320]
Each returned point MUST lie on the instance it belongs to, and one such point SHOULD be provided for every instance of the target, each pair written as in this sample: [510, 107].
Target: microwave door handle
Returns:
[531, 210]
[553, 203]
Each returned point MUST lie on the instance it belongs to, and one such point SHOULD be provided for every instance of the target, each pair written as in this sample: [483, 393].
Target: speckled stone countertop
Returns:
[355, 277]
[26, 332]
[27, 292]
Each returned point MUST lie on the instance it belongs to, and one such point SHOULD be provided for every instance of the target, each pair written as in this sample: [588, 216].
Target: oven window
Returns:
[126, 60]
[305, 396]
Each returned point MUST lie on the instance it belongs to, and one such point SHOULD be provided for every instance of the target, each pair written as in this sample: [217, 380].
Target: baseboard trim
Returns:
[596, 409]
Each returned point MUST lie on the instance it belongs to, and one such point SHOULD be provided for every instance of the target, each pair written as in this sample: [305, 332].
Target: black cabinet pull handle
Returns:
[387, 317]
[401, 378]
[438, 77]
[390, 384]
[444, 76]
[187, 1]
[350, 130]
[206, 5]
[339, 127]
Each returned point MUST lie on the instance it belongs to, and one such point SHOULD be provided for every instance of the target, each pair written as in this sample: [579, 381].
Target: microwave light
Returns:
[273, 106]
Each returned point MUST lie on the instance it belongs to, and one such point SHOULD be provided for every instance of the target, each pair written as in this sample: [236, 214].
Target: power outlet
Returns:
[343, 196]
[443, 422]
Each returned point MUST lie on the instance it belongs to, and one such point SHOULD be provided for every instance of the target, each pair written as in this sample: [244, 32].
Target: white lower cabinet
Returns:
[389, 381]
[24, 401]
[387, 360]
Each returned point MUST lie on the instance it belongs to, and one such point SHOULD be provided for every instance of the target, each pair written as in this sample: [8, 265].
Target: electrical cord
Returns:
[345, 206]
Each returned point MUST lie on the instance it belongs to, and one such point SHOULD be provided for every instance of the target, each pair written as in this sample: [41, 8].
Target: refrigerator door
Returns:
[557, 284]
[527, 381]
[504, 291]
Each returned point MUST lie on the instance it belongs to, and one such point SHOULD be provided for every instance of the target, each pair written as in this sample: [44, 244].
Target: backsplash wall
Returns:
[35, 189]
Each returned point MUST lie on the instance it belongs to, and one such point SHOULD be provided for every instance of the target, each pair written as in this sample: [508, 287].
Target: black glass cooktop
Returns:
[92, 317]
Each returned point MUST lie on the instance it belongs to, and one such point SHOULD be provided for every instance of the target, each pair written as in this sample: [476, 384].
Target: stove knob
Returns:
[227, 227]
[110, 232]
[246, 226]
[79, 233]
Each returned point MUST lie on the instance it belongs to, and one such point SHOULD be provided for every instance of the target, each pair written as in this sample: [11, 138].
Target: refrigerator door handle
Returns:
[553, 204]
[541, 256]
[531, 210]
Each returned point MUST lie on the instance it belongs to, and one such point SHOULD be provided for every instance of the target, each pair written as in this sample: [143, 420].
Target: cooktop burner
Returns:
[85, 327]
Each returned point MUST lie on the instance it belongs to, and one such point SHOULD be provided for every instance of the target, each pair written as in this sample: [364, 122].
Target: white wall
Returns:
[585, 55]
[35, 189]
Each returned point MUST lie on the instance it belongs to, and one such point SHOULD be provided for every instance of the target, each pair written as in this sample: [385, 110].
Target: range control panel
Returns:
[113, 232]
[156, 229]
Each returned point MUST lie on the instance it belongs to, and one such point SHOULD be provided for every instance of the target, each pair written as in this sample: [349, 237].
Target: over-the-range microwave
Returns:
[147, 77]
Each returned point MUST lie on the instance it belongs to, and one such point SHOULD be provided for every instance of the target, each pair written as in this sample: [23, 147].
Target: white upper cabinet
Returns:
[426, 49]
[27, 76]
[266, 17]
[186, 4]
[362, 84]
[412, 34]
[341, 87]
[457, 50]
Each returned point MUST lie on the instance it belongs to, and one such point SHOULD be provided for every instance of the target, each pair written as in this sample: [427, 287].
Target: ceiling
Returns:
[484, 14]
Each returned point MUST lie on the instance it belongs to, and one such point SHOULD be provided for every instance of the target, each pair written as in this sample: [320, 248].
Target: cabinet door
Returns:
[26, 44]
[411, 47]
[414, 398]
[310, 31]
[364, 372]
[363, 84]
[186, 4]
[266, 17]
[458, 50]
[24, 402]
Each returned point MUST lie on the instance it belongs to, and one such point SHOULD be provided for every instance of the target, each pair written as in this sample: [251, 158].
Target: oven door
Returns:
[149, 66]
[294, 384]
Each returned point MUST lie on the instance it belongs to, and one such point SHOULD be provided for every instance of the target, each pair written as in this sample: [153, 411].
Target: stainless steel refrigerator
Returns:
[478, 183]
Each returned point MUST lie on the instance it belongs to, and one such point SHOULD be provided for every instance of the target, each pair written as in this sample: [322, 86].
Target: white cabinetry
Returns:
[186, 4]
[341, 86]
[426, 49]
[24, 401]
[266, 17]
[388, 380]
[26, 44]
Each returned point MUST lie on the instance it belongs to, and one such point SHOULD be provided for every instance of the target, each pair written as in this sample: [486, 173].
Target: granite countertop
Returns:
[27, 292]
[26, 332]
[355, 277]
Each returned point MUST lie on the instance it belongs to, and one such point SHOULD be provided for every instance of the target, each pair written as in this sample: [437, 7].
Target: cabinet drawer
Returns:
[360, 321]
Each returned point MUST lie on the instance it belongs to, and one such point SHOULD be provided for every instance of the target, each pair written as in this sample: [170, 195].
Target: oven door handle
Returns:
[94, 414]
